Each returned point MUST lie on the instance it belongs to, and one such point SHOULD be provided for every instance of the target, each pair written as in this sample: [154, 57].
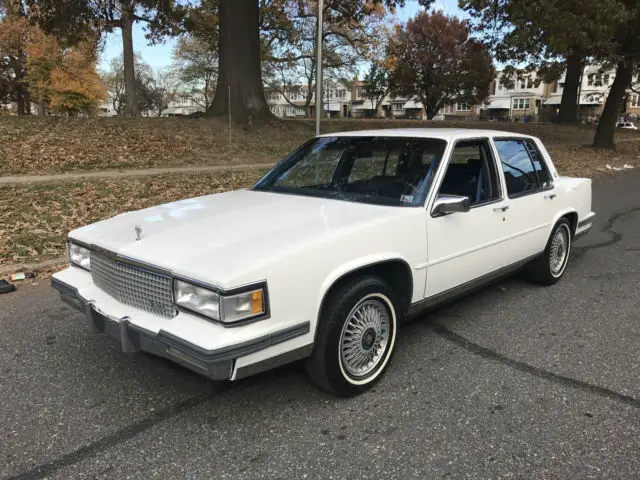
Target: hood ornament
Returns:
[138, 229]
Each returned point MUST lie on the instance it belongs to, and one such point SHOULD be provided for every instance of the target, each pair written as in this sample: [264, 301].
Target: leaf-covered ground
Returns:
[35, 219]
[590, 162]
[36, 145]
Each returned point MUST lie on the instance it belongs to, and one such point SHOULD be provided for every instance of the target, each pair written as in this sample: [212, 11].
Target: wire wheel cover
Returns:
[365, 337]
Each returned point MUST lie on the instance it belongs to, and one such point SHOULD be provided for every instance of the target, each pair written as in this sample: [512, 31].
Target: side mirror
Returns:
[446, 204]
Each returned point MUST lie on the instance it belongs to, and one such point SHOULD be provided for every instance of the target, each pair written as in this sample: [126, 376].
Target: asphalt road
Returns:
[517, 381]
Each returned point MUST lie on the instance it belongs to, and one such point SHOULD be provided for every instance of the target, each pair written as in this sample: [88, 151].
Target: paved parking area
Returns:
[516, 381]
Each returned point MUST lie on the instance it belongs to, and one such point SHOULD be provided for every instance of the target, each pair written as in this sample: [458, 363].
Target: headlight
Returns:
[226, 309]
[80, 256]
[197, 299]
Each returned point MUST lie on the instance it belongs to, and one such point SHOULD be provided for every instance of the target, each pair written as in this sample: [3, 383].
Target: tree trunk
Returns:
[41, 107]
[129, 63]
[240, 64]
[21, 91]
[20, 101]
[569, 102]
[27, 101]
[605, 132]
[431, 110]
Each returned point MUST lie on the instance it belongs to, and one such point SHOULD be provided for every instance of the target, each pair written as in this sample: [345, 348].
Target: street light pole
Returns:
[319, 97]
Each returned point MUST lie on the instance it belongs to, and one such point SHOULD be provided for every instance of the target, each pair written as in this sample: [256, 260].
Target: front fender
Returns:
[353, 265]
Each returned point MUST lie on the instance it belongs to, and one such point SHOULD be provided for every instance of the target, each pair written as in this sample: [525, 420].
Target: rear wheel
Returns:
[549, 267]
[356, 337]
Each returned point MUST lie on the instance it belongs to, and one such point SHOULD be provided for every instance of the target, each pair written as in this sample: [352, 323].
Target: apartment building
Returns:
[290, 102]
[594, 89]
[524, 98]
[183, 105]
[514, 98]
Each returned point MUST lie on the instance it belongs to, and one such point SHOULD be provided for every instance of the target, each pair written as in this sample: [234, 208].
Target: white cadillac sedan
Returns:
[323, 257]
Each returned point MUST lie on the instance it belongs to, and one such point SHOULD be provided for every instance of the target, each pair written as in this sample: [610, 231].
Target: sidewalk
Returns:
[72, 176]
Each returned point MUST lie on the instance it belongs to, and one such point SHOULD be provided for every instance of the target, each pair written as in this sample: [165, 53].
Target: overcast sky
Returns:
[159, 56]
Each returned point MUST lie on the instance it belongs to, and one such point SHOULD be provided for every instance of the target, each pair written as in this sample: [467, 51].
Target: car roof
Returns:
[440, 133]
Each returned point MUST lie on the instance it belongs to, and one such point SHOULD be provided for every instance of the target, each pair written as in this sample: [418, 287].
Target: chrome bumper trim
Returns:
[215, 364]
[587, 220]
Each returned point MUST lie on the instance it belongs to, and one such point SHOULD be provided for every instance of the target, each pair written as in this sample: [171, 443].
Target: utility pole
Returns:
[319, 98]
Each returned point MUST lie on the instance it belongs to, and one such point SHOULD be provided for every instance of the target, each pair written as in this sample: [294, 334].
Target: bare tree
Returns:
[196, 65]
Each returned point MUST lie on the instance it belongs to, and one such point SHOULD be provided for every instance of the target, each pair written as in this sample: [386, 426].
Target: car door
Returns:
[530, 197]
[464, 246]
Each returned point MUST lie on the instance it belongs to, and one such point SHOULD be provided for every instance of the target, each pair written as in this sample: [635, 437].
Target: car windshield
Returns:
[380, 170]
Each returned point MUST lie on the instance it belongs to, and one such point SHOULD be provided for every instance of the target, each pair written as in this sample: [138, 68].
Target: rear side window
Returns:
[523, 167]
[538, 163]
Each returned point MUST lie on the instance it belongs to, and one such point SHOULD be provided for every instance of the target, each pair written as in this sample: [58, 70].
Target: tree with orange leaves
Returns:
[65, 79]
[35, 66]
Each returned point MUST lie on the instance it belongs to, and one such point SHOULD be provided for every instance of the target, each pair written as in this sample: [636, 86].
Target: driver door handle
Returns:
[501, 209]
[551, 196]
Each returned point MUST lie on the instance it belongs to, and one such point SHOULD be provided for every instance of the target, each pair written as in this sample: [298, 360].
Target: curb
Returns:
[52, 264]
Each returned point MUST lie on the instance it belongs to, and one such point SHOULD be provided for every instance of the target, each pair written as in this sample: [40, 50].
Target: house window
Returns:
[499, 86]
[606, 79]
[397, 105]
[529, 82]
[520, 103]
[463, 107]
[555, 87]
[523, 83]
[449, 109]
[635, 101]
[591, 79]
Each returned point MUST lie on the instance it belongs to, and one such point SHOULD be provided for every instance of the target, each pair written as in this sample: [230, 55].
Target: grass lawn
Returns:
[35, 219]
[55, 144]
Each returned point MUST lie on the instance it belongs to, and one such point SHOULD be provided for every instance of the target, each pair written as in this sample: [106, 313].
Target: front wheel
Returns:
[356, 337]
[549, 267]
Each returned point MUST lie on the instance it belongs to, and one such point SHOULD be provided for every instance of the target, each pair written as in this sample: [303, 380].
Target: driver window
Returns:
[472, 173]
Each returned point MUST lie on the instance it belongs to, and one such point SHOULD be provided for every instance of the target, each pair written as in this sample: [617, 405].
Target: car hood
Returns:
[218, 237]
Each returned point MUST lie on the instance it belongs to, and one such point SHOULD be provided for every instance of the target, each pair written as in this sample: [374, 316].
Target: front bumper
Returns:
[217, 364]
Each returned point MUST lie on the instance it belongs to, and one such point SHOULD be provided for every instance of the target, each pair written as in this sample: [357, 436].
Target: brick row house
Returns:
[527, 98]
[349, 101]
[519, 99]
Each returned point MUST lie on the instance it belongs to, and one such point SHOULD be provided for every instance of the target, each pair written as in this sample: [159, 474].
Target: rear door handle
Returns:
[501, 209]
[551, 196]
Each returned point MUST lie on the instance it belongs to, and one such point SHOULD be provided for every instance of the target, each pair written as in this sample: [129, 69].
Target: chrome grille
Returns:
[133, 285]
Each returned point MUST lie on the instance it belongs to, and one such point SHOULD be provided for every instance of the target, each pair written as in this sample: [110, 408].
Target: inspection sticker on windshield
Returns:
[406, 198]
